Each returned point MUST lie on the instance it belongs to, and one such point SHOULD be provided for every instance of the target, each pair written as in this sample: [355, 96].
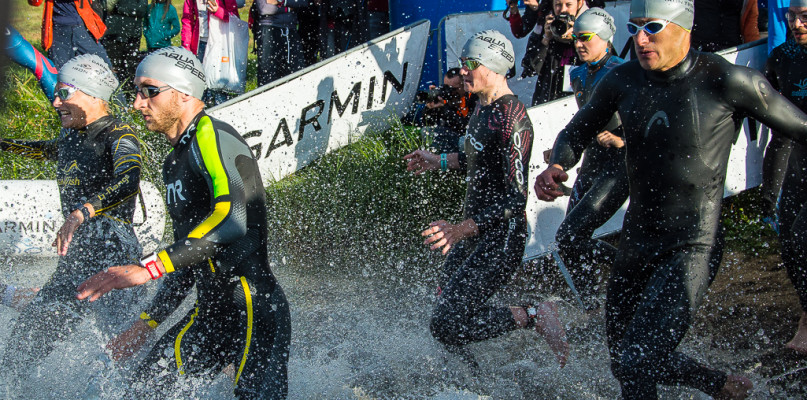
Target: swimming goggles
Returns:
[65, 92]
[792, 17]
[583, 37]
[470, 64]
[150, 91]
[651, 28]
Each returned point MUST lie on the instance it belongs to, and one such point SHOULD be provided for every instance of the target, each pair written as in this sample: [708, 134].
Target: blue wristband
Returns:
[444, 162]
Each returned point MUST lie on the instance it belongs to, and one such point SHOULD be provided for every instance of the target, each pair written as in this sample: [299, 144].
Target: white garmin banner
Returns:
[744, 168]
[31, 214]
[293, 121]
[459, 28]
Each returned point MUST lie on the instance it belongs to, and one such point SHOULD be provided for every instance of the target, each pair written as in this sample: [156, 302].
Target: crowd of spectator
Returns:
[288, 34]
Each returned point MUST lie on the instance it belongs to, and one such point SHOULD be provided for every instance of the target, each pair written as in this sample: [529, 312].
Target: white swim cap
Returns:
[679, 12]
[90, 74]
[798, 3]
[492, 49]
[596, 20]
[176, 67]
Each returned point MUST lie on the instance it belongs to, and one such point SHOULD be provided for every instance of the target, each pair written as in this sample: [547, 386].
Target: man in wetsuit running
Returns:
[216, 200]
[786, 69]
[485, 249]
[681, 111]
[98, 175]
[602, 183]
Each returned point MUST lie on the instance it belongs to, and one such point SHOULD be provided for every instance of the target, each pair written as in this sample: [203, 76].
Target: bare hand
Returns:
[65, 234]
[531, 4]
[442, 234]
[608, 139]
[548, 32]
[119, 277]
[421, 161]
[547, 183]
[130, 341]
[212, 6]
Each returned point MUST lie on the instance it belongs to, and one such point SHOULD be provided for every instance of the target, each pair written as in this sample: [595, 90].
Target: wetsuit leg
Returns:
[793, 225]
[774, 167]
[601, 199]
[462, 314]
[650, 305]
[55, 312]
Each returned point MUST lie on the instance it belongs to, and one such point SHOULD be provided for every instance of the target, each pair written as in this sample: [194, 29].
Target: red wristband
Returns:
[150, 264]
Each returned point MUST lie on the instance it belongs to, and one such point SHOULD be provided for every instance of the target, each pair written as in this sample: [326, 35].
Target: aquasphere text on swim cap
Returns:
[176, 67]
[492, 49]
[596, 20]
[90, 74]
[679, 12]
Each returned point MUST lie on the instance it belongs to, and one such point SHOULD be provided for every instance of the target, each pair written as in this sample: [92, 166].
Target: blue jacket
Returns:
[159, 32]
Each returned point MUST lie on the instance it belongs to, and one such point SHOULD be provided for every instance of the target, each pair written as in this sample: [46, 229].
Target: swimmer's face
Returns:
[161, 112]
[798, 28]
[477, 80]
[74, 108]
[663, 50]
[592, 50]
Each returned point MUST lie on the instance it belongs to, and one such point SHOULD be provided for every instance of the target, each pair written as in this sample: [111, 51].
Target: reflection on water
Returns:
[363, 334]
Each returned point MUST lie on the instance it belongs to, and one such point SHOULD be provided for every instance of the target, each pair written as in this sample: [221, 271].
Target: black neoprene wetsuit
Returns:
[99, 164]
[679, 127]
[496, 156]
[599, 191]
[786, 71]
[216, 200]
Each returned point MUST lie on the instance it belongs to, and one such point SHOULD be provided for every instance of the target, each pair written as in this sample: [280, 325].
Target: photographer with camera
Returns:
[445, 110]
[550, 51]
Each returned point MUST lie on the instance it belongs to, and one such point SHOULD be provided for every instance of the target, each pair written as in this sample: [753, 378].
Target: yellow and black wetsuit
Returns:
[100, 165]
[217, 202]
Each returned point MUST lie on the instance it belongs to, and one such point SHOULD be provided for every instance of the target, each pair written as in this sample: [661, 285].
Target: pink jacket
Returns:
[190, 21]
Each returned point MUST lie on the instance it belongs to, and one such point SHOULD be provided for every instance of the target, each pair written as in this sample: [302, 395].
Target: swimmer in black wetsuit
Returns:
[485, 249]
[786, 69]
[602, 183]
[681, 111]
[217, 202]
[98, 174]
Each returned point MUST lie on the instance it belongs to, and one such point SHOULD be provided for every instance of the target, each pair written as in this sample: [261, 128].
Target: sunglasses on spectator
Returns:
[66, 92]
[150, 91]
[470, 64]
[651, 28]
[791, 17]
[583, 37]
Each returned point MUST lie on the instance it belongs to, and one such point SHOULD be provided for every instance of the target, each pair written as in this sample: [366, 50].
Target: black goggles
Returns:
[150, 91]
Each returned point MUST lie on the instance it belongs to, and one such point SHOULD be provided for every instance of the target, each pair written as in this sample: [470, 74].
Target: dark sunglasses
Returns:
[150, 91]
[583, 37]
[65, 92]
[651, 28]
[470, 64]
[792, 17]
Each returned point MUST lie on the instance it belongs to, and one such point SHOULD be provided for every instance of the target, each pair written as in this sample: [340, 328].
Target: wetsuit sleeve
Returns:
[46, 150]
[586, 123]
[175, 287]
[227, 222]
[125, 183]
[517, 136]
[753, 95]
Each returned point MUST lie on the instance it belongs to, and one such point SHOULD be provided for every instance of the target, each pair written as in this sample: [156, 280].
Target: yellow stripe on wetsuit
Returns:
[178, 341]
[248, 297]
[208, 146]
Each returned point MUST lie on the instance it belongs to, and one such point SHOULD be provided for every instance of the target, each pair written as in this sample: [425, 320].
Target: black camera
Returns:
[445, 92]
[561, 25]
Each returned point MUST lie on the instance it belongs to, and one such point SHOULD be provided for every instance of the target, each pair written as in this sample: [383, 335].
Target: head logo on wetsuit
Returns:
[659, 118]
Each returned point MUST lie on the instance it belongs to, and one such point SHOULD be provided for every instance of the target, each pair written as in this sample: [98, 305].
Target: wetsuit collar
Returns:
[676, 72]
[96, 127]
[595, 66]
[190, 130]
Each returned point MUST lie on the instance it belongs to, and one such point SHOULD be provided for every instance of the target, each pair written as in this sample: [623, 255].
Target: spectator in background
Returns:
[310, 27]
[124, 21]
[720, 24]
[194, 33]
[161, 25]
[340, 17]
[548, 55]
[377, 18]
[280, 50]
[70, 28]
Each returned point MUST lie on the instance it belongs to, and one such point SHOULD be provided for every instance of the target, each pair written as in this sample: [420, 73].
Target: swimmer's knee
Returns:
[444, 327]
